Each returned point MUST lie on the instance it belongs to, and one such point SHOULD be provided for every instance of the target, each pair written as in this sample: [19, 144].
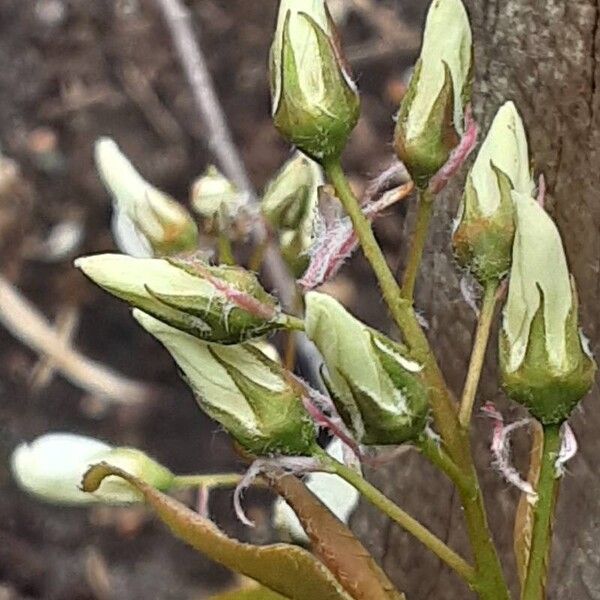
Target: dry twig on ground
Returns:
[25, 323]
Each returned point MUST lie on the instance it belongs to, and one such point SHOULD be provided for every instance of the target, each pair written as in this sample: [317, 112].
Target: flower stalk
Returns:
[535, 582]
[424, 214]
[394, 512]
[482, 336]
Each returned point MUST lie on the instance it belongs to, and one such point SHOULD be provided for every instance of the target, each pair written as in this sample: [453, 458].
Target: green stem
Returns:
[432, 450]
[225, 250]
[490, 580]
[292, 323]
[394, 512]
[415, 256]
[541, 540]
[212, 481]
[480, 345]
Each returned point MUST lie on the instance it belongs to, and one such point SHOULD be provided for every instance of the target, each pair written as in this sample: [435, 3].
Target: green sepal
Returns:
[211, 319]
[410, 384]
[550, 394]
[291, 210]
[285, 426]
[425, 154]
[483, 244]
[345, 405]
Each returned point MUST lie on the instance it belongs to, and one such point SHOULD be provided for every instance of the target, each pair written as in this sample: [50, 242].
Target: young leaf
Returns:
[287, 570]
[335, 545]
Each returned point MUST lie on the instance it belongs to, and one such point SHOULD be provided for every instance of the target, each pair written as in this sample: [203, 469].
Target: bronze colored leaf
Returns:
[335, 545]
[288, 570]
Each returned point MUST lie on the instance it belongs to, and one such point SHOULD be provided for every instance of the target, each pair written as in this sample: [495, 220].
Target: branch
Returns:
[219, 138]
[26, 324]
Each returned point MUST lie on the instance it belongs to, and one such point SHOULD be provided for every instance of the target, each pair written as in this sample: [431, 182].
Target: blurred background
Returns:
[71, 71]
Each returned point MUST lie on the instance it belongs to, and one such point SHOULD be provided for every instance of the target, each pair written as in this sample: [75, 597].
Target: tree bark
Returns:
[545, 57]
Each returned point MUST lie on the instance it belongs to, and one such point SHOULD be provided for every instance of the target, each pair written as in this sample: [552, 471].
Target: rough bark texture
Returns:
[544, 56]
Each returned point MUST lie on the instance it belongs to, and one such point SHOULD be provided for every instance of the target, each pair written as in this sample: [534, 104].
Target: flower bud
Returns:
[52, 468]
[216, 199]
[339, 497]
[544, 360]
[431, 116]
[242, 389]
[292, 194]
[289, 205]
[146, 221]
[377, 391]
[315, 101]
[485, 228]
[219, 304]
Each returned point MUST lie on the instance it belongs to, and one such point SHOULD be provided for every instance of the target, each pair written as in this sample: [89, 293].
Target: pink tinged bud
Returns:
[219, 304]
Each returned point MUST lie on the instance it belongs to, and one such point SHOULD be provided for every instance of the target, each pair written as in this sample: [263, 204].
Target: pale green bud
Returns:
[289, 205]
[146, 221]
[219, 304]
[52, 468]
[216, 199]
[292, 195]
[376, 388]
[241, 388]
[544, 360]
[485, 227]
[315, 102]
[336, 494]
[431, 116]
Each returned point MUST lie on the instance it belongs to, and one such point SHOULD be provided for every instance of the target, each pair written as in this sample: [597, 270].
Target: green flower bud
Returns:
[52, 468]
[146, 222]
[378, 392]
[485, 229]
[216, 199]
[431, 116]
[544, 360]
[315, 102]
[218, 304]
[292, 195]
[246, 392]
[289, 205]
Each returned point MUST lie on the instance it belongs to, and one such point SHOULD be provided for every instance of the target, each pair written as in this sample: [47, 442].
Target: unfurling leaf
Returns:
[288, 570]
[335, 545]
